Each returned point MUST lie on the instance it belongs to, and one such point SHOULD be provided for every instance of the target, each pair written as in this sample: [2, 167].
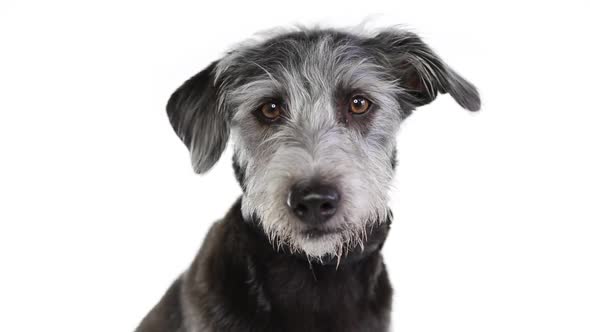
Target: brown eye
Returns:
[271, 111]
[359, 104]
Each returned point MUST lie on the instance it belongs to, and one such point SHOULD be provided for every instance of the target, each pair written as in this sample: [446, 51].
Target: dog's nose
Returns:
[313, 204]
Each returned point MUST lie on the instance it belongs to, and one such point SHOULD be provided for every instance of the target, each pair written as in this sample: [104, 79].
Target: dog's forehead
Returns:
[325, 57]
[298, 49]
[303, 67]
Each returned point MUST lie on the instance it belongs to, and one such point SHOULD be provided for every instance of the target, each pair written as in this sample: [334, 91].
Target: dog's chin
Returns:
[318, 243]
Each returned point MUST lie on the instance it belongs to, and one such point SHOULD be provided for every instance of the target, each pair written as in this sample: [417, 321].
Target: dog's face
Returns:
[313, 115]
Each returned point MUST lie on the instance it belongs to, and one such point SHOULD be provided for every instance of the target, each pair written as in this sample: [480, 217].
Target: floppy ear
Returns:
[422, 73]
[197, 117]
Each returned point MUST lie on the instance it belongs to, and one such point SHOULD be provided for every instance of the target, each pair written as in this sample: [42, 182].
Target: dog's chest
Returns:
[240, 283]
[295, 297]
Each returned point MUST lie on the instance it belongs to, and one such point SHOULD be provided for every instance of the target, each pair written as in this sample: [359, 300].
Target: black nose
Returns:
[313, 204]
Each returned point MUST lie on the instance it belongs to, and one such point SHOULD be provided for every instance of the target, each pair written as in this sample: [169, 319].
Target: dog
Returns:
[313, 114]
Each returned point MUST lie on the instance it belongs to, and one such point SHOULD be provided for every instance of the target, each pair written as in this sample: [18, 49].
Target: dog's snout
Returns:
[313, 204]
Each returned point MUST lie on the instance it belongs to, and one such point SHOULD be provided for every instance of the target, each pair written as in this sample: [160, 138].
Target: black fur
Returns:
[422, 74]
[238, 281]
[197, 119]
[239, 172]
[241, 284]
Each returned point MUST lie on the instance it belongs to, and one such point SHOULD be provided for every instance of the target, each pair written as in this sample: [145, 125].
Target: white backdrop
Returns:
[100, 210]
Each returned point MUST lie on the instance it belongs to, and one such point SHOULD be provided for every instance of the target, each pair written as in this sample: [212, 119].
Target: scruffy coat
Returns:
[262, 268]
[239, 283]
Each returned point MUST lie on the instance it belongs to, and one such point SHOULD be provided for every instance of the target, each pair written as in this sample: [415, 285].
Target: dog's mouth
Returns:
[315, 232]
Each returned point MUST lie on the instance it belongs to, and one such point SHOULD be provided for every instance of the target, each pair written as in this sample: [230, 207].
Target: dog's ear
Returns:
[421, 72]
[197, 117]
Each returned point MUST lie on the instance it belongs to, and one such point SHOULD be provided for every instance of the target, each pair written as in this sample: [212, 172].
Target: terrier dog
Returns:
[313, 114]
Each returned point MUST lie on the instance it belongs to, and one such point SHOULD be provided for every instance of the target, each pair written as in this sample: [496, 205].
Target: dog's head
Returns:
[313, 115]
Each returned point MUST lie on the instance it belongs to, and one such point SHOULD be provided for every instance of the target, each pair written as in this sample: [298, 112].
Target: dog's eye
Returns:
[271, 111]
[359, 105]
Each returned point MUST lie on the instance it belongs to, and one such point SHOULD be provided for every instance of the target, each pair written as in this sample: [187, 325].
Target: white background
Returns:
[100, 210]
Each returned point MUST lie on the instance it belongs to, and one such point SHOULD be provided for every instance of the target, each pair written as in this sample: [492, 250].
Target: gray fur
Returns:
[199, 120]
[260, 268]
[312, 72]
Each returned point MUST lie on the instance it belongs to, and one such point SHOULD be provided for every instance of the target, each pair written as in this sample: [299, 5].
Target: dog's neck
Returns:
[276, 290]
[376, 235]
[306, 295]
